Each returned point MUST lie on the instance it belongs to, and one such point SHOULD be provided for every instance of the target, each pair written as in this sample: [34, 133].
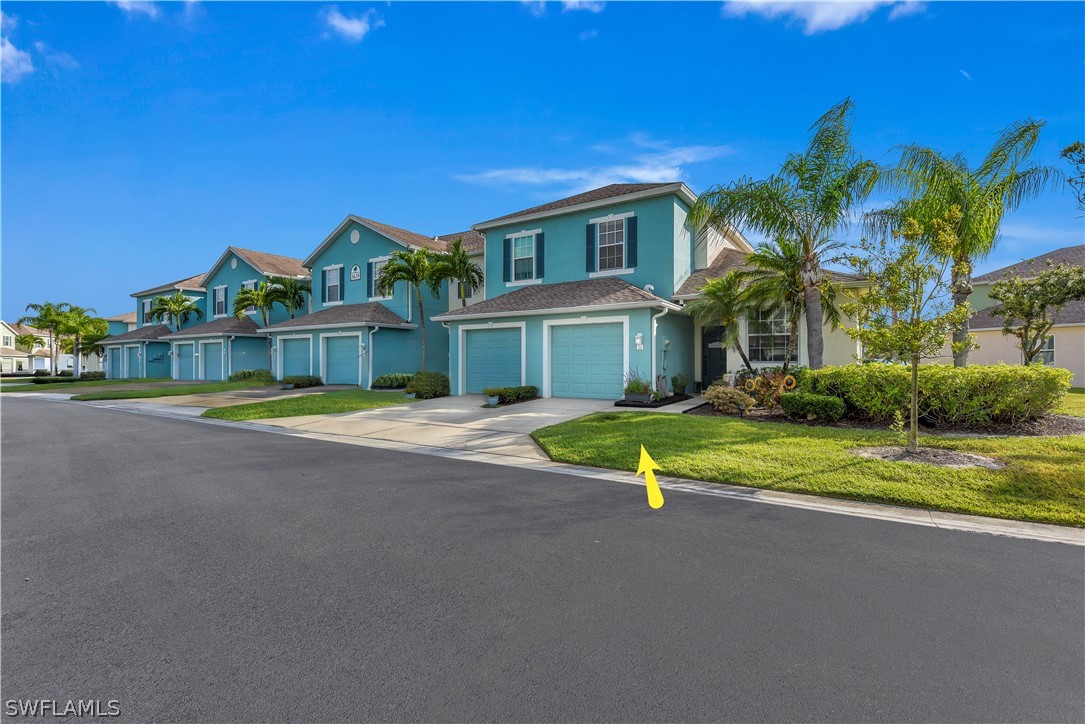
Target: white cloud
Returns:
[966, 74]
[56, 58]
[657, 161]
[15, 64]
[817, 17]
[138, 7]
[354, 28]
[535, 7]
[590, 5]
[589, 34]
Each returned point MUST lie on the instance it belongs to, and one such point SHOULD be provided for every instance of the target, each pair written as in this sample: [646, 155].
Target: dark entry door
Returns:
[714, 355]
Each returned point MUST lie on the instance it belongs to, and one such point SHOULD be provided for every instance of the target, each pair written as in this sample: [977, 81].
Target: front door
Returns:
[713, 355]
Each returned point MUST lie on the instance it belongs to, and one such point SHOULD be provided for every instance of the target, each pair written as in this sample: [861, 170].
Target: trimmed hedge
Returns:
[92, 376]
[948, 396]
[807, 405]
[427, 385]
[506, 395]
[301, 381]
[393, 381]
[42, 373]
[52, 380]
[254, 375]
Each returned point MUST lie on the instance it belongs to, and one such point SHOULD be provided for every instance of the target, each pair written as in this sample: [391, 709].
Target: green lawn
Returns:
[1073, 403]
[60, 386]
[169, 391]
[324, 403]
[1043, 481]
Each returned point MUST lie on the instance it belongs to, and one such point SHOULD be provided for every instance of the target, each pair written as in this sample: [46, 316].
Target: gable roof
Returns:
[21, 328]
[1072, 313]
[400, 236]
[366, 314]
[150, 332]
[730, 260]
[219, 328]
[1073, 255]
[473, 241]
[589, 199]
[128, 317]
[604, 292]
[265, 263]
[186, 284]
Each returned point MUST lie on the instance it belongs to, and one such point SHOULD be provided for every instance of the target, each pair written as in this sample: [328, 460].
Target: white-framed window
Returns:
[146, 305]
[1046, 354]
[221, 309]
[8, 341]
[611, 245]
[333, 284]
[767, 333]
[250, 284]
[523, 257]
[375, 271]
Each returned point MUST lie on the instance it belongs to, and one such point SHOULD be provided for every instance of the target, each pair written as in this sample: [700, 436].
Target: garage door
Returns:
[492, 358]
[295, 357]
[116, 366]
[341, 360]
[212, 361]
[133, 361]
[586, 361]
[184, 362]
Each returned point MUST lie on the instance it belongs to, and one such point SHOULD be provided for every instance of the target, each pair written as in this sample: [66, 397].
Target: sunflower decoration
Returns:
[789, 382]
[751, 385]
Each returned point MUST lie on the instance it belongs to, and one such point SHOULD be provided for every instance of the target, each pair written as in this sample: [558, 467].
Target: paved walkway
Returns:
[456, 423]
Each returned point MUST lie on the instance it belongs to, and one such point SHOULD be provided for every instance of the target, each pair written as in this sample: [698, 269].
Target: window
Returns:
[8, 341]
[333, 285]
[523, 257]
[376, 265]
[251, 284]
[1047, 352]
[767, 336]
[146, 311]
[220, 301]
[611, 244]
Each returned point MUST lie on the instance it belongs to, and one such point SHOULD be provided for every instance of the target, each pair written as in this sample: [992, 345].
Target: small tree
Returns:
[262, 299]
[29, 342]
[1075, 156]
[175, 310]
[79, 322]
[455, 265]
[48, 316]
[907, 312]
[1030, 307]
[292, 292]
[419, 268]
[722, 303]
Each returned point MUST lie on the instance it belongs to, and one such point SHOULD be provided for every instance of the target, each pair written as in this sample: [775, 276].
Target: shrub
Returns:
[948, 396]
[394, 380]
[51, 380]
[301, 381]
[636, 385]
[506, 395]
[41, 373]
[65, 373]
[427, 385]
[728, 399]
[680, 382]
[254, 375]
[810, 406]
[92, 376]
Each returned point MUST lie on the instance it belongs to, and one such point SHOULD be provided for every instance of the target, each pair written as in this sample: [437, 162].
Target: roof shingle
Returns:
[218, 327]
[599, 194]
[602, 292]
[1073, 255]
[353, 314]
[272, 264]
[189, 283]
[473, 241]
[150, 332]
[409, 238]
[729, 260]
[1072, 313]
[128, 317]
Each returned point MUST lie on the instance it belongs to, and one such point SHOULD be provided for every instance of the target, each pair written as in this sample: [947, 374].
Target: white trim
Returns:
[203, 358]
[372, 333]
[177, 357]
[518, 234]
[333, 304]
[524, 282]
[139, 357]
[679, 189]
[279, 352]
[549, 324]
[324, 286]
[255, 285]
[558, 310]
[999, 329]
[386, 257]
[613, 217]
[609, 272]
[324, 353]
[461, 377]
[351, 219]
[599, 249]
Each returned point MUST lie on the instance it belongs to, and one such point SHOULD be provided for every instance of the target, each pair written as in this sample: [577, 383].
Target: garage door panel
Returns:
[587, 360]
[296, 360]
[341, 360]
[185, 355]
[493, 358]
[212, 361]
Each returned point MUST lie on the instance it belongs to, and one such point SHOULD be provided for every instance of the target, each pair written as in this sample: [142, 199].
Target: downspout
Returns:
[655, 323]
[448, 329]
[372, 332]
[229, 356]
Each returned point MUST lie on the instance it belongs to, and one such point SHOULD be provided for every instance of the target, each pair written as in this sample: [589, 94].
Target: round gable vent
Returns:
[355, 236]
[233, 263]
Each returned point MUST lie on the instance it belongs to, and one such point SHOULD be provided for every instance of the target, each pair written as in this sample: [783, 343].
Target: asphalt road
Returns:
[198, 572]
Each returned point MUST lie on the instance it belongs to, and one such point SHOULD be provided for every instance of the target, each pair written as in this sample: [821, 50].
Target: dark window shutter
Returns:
[370, 282]
[590, 251]
[324, 286]
[539, 256]
[342, 282]
[631, 242]
[508, 260]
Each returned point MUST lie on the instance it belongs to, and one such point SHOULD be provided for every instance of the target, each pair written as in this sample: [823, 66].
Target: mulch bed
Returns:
[1049, 426]
[657, 403]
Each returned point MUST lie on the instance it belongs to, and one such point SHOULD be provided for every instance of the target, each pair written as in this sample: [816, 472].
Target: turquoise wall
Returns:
[233, 279]
[393, 350]
[116, 328]
[679, 356]
[201, 302]
[664, 248]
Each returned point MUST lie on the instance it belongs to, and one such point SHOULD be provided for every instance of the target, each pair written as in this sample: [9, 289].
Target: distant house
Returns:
[14, 359]
[122, 323]
[1065, 346]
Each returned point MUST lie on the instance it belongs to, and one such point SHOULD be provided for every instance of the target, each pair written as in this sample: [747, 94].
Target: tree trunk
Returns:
[961, 285]
[815, 344]
[913, 411]
[422, 326]
[77, 364]
[742, 354]
[53, 343]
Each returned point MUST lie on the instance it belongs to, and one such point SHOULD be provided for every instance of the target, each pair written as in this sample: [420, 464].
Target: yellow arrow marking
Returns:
[648, 466]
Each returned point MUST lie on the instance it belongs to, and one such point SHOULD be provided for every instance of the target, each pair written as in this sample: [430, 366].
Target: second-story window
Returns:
[523, 257]
[146, 311]
[251, 284]
[333, 285]
[220, 301]
[612, 244]
[8, 341]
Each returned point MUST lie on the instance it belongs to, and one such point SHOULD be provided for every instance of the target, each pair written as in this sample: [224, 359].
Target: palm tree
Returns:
[175, 310]
[456, 265]
[78, 322]
[722, 303]
[417, 267]
[47, 316]
[29, 341]
[933, 183]
[263, 298]
[293, 292]
[809, 200]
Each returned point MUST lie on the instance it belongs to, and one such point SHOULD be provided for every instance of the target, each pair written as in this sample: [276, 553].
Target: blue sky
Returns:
[139, 140]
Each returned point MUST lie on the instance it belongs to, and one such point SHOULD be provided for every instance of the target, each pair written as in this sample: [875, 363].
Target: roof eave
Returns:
[561, 310]
[678, 188]
[340, 325]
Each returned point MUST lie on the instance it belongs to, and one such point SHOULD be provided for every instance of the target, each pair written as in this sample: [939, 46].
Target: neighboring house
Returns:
[140, 352]
[338, 340]
[14, 360]
[223, 344]
[1066, 344]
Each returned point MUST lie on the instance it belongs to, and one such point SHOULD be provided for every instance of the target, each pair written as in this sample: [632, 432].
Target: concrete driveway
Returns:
[458, 423]
[238, 397]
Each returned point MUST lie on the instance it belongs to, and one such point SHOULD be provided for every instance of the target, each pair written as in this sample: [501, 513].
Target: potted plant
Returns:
[637, 389]
[493, 396]
[679, 382]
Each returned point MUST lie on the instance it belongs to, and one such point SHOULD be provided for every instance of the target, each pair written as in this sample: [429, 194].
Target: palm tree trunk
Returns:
[53, 350]
[792, 337]
[742, 354]
[913, 412]
[77, 364]
[961, 283]
[422, 326]
[815, 344]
